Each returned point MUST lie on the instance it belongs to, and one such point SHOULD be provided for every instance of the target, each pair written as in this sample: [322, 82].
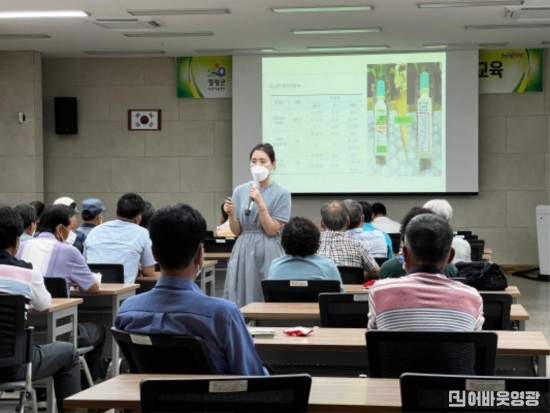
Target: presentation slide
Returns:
[342, 124]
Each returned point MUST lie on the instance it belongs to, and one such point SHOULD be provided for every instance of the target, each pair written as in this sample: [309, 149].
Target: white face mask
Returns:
[71, 238]
[259, 172]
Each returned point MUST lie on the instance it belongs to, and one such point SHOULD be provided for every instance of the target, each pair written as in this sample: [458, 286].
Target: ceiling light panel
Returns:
[469, 3]
[322, 9]
[346, 48]
[338, 31]
[258, 50]
[24, 36]
[177, 12]
[43, 14]
[123, 52]
[508, 26]
[168, 34]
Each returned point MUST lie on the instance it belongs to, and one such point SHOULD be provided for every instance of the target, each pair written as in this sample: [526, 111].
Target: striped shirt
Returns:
[424, 301]
[346, 250]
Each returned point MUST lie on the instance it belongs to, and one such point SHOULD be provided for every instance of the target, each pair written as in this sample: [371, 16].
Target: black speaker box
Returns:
[66, 122]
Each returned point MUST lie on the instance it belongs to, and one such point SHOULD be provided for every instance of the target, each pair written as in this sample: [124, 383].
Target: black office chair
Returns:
[57, 287]
[392, 353]
[285, 393]
[352, 275]
[344, 310]
[380, 260]
[477, 247]
[463, 233]
[395, 241]
[496, 310]
[163, 354]
[301, 291]
[446, 393]
[219, 244]
[110, 273]
[16, 349]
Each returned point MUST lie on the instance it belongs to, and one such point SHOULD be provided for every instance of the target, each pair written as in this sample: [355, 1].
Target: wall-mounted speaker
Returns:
[66, 122]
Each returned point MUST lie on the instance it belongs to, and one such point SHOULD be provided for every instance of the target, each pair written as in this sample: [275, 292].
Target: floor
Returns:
[535, 297]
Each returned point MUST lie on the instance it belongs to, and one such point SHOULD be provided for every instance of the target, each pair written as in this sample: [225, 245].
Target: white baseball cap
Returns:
[65, 200]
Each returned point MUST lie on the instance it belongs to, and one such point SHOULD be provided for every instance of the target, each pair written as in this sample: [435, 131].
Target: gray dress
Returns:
[254, 249]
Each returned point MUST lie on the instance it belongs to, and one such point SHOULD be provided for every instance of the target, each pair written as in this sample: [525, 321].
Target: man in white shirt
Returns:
[382, 222]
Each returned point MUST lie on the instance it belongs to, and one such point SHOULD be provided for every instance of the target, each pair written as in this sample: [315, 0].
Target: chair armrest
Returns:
[29, 344]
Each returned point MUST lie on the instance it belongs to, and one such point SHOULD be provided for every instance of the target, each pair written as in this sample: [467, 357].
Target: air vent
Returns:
[127, 24]
[528, 13]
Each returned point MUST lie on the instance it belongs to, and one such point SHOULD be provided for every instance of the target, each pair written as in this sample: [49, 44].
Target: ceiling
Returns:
[250, 24]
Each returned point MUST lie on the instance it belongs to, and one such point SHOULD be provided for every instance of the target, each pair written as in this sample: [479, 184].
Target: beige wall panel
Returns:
[511, 245]
[124, 98]
[190, 138]
[59, 145]
[16, 97]
[520, 207]
[511, 172]
[38, 136]
[16, 198]
[492, 134]
[17, 67]
[92, 101]
[17, 174]
[77, 174]
[93, 72]
[159, 174]
[547, 172]
[527, 134]
[201, 201]
[223, 138]
[205, 174]
[101, 139]
[498, 104]
[39, 173]
[16, 138]
[205, 109]
[160, 72]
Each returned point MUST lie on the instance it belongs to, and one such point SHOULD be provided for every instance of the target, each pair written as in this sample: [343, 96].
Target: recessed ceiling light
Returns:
[122, 52]
[321, 9]
[468, 3]
[345, 48]
[508, 26]
[338, 31]
[42, 14]
[252, 50]
[168, 34]
[24, 36]
[462, 45]
[176, 12]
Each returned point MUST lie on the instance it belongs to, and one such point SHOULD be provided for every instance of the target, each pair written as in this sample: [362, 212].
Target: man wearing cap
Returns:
[80, 236]
[92, 214]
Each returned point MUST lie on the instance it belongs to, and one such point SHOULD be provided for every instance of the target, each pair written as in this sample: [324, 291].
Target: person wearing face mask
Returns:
[52, 253]
[257, 211]
[77, 239]
[28, 213]
[177, 306]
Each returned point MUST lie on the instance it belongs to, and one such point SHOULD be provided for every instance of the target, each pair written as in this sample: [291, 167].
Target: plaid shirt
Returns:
[346, 250]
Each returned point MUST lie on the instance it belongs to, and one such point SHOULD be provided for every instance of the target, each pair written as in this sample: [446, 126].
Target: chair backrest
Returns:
[110, 273]
[163, 354]
[496, 310]
[285, 393]
[477, 246]
[301, 291]
[460, 393]
[352, 275]
[392, 353]
[463, 232]
[395, 241]
[56, 286]
[380, 260]
[12, 331]
[219, 244]
[344, 310]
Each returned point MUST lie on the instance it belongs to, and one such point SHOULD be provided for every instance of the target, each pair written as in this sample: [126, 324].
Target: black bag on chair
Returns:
[482, 275]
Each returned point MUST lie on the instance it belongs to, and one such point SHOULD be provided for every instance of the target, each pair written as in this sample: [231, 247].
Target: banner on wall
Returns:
[510, 71]
[203, 77]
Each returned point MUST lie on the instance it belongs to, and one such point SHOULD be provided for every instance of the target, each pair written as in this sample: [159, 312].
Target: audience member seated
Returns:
[374, 240]
[381, 220]
[146, 215]
[77, 237]
[442, 208]
[300, 240]
[123, 241]
[59, 359]
[394, 268]
[39, 206]
[177, 306]
[92, 214]
[367, 226]
[28, 214]
[340, 246]
[50, 253]
[425, 300]
[223, 230]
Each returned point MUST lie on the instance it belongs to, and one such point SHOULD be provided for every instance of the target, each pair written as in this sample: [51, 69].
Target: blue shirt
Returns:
[367, 226]
[120, 242]
[177, 306]
[311, 267]
[374, 240]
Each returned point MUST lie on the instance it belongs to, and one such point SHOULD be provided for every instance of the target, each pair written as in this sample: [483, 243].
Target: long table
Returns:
[328, 394]
[343, 350]
[105, 302]
[289, 313]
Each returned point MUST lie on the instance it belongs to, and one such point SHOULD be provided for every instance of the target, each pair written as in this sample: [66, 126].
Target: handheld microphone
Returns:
[251, 201]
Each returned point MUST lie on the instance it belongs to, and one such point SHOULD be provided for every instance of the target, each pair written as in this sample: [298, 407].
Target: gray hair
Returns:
[355, 211]
[440, 207]
[429, 237]
[335, 215]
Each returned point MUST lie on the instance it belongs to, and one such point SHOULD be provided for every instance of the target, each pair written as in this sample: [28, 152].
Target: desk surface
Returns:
[267, 311]
[58, 304]
[217, 255]
[517, 343]
[205, 265]
[358, 288]
[107, 289]
[327, 394]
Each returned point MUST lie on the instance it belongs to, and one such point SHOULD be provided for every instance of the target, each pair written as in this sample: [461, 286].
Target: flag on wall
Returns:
[203, 77]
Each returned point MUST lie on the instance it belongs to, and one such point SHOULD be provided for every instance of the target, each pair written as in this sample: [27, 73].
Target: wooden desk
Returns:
[346, 347]
[512, 290]
[59, 321]
[206, 279]
[107, 302]
[217, 255]
[263, 313]
[328, 394]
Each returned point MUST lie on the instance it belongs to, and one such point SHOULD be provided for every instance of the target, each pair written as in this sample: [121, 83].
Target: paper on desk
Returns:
[97, 276]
